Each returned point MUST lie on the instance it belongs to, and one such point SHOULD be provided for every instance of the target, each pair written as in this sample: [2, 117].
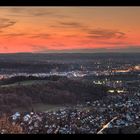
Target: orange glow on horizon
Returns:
[44, 29]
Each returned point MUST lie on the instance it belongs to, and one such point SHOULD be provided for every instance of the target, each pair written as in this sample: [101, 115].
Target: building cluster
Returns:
[115, 111]
[80, 73]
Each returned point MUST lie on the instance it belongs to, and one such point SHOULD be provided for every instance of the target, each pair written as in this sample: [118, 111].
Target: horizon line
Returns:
[63, 52]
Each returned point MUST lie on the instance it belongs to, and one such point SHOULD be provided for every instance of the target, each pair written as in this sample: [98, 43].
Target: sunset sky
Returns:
[69, 29]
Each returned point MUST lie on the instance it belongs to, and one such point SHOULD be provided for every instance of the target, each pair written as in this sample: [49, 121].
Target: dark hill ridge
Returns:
[63, 91]
[65, 56]
[46, 62]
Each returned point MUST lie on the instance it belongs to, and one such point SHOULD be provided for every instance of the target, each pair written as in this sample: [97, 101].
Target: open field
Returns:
[40, 107]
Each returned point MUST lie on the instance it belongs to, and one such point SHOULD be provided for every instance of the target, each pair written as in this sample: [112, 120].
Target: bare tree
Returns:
[7, 127]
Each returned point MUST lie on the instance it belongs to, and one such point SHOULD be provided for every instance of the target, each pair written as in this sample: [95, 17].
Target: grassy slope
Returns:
[28, 82]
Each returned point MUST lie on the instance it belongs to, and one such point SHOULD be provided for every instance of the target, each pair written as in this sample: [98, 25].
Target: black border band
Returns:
[69, 2]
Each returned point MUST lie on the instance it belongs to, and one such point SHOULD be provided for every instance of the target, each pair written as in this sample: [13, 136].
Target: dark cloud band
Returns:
[105, 34]
[4, 23]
